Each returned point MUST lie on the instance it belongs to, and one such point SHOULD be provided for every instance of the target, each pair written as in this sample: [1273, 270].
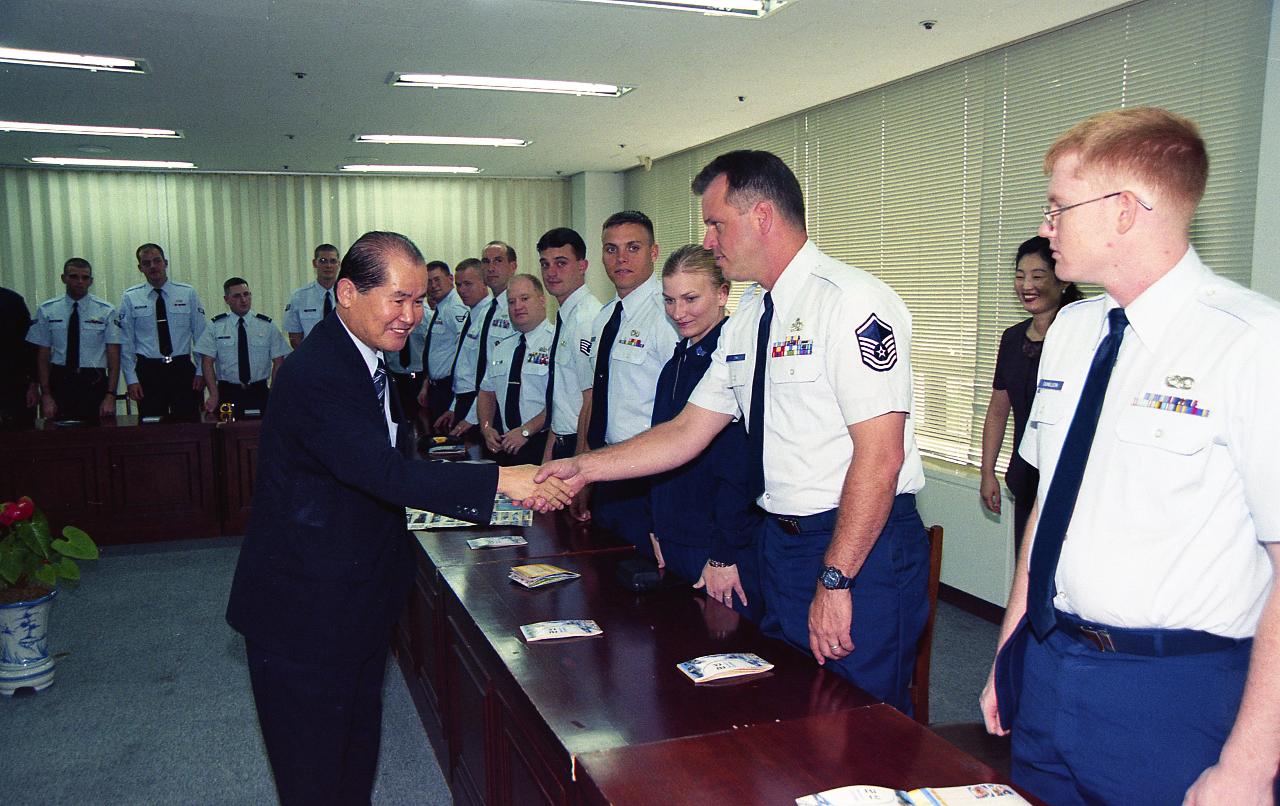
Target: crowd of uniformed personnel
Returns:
[805, 398]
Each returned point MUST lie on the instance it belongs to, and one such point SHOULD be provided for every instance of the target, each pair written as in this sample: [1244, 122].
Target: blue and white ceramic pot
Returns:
[24, 645]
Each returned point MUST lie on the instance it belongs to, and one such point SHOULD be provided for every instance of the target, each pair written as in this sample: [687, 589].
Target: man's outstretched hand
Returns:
[518, 484]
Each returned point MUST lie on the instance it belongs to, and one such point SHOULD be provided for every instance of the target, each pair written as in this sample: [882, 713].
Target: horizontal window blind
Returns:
[932, 182]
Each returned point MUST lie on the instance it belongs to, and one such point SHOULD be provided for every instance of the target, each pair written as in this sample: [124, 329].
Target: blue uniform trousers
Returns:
[622, 507]
[1111, 727]
[890, 599]
[687, 562]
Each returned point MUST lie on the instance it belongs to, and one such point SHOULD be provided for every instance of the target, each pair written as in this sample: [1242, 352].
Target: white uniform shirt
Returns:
[464, 372]
[136, 319]
[840, 354]
[96, 329]
[645, 342]
[444, 334]
[533, 373]
[306, 307]
[221, 342]
[573, 359]
[1181, 483]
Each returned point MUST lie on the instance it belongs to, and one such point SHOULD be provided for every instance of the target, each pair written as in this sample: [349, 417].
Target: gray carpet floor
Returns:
[151, 702]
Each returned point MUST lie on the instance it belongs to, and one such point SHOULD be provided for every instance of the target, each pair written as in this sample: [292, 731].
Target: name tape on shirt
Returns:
[876, 344]
[1045, 383]
[736, 357]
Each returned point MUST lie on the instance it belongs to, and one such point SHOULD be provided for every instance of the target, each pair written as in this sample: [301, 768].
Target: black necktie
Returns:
[242, 351]
[162, 325]
[551, 372]
[1060, 502]
[512, 407]
[328, 303]
[600, 386]
[755, 423]
[482, 362]
[426, 347]
[380, 384]
[73, 339]
[462, 337]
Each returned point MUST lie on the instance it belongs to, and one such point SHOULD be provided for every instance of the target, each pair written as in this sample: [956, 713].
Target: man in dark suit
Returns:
[327, 563]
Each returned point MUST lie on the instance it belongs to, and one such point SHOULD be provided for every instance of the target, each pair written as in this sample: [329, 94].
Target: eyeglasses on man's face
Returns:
[327, 261]
[1051, 213]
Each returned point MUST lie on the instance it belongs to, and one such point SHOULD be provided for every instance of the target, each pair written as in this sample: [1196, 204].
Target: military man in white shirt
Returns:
[444, 327]
[78, 349]
[513, 394]
[817, 360]
[1140, 653]
[632, 338]
[562, 256]
[314, 301]
[240, 352]
[469, 283]
[159, 322]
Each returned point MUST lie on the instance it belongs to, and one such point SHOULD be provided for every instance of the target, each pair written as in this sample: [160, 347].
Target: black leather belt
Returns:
[1152, 643]
[410, 375]
[167, 359]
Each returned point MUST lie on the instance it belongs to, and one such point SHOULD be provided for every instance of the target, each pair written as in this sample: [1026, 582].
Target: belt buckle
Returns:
[789, 525]
[1099, 637]
[168, 359]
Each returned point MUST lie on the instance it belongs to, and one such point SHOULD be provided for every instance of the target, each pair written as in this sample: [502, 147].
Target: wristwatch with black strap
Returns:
[833, 580]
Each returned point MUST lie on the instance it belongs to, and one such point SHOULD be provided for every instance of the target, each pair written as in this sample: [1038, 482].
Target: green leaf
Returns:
[67, 569]
[47, 574]
[10, 565]
[76, 543]
[32, 541]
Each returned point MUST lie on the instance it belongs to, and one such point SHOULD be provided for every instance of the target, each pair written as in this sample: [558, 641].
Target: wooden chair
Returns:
[919, 687]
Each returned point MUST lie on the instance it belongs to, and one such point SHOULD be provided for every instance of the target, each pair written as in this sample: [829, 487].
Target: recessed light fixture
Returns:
[82, 162]
[439, 140]
[410, 169]
[750, 9]
[78, 61]
[101, 131]
[437, 81]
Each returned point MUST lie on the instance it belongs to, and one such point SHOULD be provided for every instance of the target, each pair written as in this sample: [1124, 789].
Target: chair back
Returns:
[919, 686]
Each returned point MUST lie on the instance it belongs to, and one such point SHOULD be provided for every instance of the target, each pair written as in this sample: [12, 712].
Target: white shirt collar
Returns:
[1155, 309]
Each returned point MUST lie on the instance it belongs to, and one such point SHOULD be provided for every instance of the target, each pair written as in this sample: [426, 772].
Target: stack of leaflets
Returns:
[939, 796]
[539, 574]
[725, 665]
[496, 542]
[567, 628]
[505, 513]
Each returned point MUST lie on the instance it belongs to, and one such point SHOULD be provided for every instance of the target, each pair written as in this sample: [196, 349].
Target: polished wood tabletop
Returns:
[623, 687]
[776, 763]
[552, 534]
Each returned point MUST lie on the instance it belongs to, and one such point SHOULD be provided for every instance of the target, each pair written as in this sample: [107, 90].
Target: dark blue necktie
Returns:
[1060, 502]
[380, 384]
[511, 406]
[599, 423]
[73, 339]
[242, 352]
[482, 361]
[755, 423]
[551, 373]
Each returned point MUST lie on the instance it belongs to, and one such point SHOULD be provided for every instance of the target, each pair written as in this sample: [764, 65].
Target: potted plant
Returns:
[32, 562]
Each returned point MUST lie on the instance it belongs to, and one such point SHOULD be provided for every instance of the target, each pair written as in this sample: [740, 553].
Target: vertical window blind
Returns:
[931, 182]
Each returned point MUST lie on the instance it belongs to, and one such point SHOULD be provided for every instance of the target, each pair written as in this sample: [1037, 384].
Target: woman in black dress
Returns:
[1014, 386]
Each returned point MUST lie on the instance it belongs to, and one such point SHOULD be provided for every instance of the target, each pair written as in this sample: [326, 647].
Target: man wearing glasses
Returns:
[1140, 653]
[314, 301]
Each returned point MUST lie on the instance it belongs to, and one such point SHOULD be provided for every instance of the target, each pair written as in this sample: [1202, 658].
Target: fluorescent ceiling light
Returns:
[411, 169]
[79, 61]
[82, 162]
[438, 140]
[751, 9]
[437, 81]
[102, 131]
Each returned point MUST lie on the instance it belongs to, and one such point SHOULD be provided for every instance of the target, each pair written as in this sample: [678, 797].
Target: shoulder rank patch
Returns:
[220, 317]
[263, 317]
[875, 343]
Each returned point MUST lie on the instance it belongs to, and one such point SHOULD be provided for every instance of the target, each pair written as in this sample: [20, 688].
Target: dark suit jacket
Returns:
[327, 563]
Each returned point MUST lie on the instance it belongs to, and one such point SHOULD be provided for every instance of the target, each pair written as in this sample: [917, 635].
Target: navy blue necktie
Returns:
[380, 384]
[755, 423]
[242, 352]
[1060, 502]
[551, 373]
[73, 339]
[511, 406]
[599, 423]
[328, 303]
[162, 325]
[482, 361]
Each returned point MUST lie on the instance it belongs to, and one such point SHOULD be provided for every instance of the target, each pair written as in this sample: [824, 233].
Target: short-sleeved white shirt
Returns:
[221, 342]
[533, 373]
[138, 330]
[1181, 482]
[97, 329]
[306, 307]
[445, 322]
[573, 359]
[823, 377]
[646, 339]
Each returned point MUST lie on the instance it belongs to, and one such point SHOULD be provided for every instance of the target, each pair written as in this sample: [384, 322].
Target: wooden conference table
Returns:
[558, 722]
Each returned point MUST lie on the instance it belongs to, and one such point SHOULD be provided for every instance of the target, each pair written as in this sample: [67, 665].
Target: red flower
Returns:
[24, 509]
